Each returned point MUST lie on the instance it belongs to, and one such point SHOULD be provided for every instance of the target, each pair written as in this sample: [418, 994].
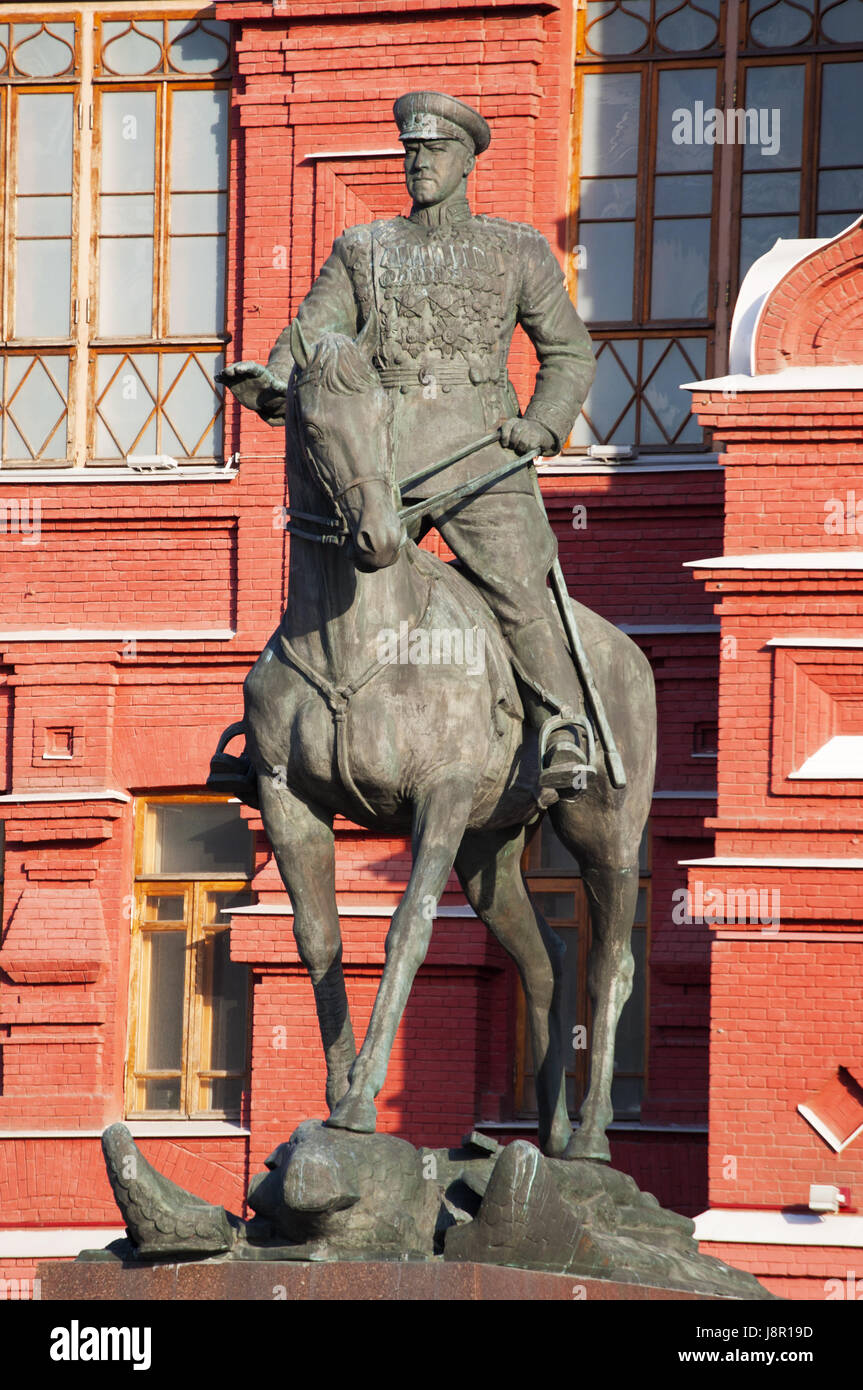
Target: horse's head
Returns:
[343, 414]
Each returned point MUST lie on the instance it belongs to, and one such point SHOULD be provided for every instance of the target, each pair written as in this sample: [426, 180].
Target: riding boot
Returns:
[554, 705]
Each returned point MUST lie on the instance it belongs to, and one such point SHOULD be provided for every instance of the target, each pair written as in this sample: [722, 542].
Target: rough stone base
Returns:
[391, 1281]
[336, 1198]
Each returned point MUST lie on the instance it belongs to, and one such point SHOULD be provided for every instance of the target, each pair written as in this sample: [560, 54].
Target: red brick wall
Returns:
[814, 317]
[168, 554]
[785, 994]
[785, 1013]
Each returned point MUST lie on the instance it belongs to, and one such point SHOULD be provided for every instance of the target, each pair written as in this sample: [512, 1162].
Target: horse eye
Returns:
[313, 432]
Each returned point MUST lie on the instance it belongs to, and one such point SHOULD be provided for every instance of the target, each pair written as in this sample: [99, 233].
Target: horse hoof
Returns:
[584, 1146]
[361, 1116]
[555, 1145]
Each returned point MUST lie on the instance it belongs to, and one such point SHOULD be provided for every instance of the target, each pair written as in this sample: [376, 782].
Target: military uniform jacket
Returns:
[449, 289]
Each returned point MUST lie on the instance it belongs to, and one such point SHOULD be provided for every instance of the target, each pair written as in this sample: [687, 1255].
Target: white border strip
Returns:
[735, 862]
[354, 154]
[24, 798]
[142, 1129]
[556, 468]
[343, 909]
[783, 560]
[86, 476]
[773, 934]
[778, 1228]
[825, 1131]
[40, 1243]
[829, 642]
[829, 378]
[114, 634]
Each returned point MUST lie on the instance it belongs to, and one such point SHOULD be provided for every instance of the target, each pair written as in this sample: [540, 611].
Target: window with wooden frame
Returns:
[813, 187]
[189, 1002]
[664, 222]
[554, 880]
[114, 138]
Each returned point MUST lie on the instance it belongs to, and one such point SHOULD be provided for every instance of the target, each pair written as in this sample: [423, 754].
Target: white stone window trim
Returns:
[93, 474]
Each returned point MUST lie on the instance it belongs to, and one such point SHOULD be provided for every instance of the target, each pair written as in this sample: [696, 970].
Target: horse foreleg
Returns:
[612, 893]
[303, 843]
[489, 868]
[440, 816]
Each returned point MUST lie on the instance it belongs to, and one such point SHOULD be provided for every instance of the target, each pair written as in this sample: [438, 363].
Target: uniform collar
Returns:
[442, 215]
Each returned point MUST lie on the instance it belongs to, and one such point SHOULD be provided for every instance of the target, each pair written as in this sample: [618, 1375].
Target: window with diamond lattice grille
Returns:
[666, 220]
[113, 135]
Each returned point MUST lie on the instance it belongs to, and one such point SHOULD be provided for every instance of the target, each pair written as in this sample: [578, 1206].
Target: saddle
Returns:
[567, 743]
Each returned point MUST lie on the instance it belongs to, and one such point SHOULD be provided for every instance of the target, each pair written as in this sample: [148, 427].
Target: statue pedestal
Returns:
[367, 1280]
[346, 1215]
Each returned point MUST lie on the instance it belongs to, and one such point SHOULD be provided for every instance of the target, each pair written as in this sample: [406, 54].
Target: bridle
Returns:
[336, 525]
[406, 514]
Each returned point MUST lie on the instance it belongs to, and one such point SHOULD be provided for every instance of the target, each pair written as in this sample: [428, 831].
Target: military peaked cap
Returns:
[435, 116]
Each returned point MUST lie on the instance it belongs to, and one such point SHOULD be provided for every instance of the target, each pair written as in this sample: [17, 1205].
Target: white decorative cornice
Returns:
[782, 560]
[807, 380]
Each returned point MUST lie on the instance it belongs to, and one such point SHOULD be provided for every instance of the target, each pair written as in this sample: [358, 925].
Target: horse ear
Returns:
[300, 350]
[367, 340]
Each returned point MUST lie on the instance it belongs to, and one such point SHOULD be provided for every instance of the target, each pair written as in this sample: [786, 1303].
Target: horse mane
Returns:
[340, 366]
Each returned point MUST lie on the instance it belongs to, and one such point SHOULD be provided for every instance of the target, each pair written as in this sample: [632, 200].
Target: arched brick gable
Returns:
[814, 316]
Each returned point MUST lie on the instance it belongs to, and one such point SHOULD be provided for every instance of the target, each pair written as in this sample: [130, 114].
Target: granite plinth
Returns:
[369, 1281]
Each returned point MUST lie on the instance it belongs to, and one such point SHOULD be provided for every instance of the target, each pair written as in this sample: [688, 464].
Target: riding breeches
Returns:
[506, 548]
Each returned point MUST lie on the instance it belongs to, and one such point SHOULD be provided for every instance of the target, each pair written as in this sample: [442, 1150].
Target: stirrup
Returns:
[233, 776]
[570, 775]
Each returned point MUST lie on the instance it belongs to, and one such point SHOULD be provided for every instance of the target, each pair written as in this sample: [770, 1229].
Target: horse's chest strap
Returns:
[338, 697]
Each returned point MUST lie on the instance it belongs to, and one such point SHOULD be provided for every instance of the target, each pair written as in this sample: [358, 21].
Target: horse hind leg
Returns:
[612, 890]
[303, 843]
[489, 869]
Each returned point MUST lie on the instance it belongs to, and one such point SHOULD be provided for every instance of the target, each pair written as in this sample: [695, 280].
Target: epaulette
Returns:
[361, 233]
[518, 229]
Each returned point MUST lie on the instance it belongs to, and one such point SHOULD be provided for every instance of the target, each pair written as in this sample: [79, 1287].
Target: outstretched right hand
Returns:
[254, 386]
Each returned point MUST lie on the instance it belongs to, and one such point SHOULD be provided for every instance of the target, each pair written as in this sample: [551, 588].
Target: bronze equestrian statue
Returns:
[396, 358]
[448, 289]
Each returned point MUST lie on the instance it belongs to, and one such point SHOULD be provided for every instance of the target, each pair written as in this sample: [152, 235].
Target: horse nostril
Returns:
[368, 543]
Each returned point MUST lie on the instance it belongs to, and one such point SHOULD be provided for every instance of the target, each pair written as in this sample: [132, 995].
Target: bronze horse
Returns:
[436, 750]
